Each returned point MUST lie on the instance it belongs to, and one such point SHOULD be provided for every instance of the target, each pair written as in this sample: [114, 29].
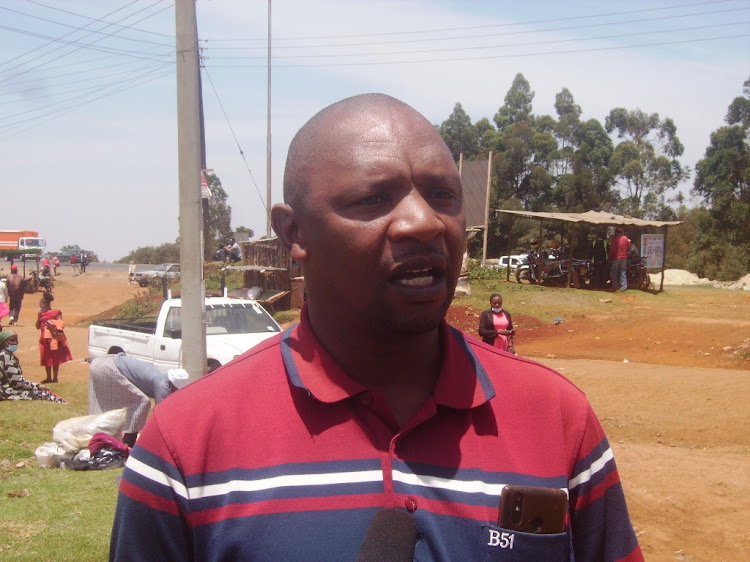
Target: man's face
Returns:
[383, 224]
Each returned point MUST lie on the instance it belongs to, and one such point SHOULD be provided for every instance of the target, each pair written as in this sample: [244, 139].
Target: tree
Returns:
[517, 106]
[220, 214]
[246, 230]
[723, 180]
[739, 110]
[646, 161]
[459, 134]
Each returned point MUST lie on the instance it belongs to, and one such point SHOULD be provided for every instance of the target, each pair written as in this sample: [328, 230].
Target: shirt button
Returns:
[411, 504]
[365, 398]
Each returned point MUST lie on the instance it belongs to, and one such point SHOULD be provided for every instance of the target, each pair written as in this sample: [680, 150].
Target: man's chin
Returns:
[418, 321]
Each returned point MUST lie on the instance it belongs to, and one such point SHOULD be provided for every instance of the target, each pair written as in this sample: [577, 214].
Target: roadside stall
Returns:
[653, 247]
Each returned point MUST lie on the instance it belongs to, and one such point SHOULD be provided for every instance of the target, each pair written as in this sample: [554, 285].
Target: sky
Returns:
[88, 116]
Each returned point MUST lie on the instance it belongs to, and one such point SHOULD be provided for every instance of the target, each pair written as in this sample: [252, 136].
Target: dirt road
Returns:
[679, 426]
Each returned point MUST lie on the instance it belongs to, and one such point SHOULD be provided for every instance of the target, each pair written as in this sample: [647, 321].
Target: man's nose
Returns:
[416, 218]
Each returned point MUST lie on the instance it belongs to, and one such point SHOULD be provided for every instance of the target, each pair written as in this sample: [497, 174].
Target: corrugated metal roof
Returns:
[592, 217]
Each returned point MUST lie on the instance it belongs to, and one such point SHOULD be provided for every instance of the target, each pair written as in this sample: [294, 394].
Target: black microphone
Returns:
[390, 538]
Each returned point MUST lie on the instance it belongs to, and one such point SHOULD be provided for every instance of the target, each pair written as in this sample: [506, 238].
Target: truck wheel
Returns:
[213, 364]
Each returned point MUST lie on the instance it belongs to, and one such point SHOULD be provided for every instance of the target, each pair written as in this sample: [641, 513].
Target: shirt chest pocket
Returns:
[502, 544]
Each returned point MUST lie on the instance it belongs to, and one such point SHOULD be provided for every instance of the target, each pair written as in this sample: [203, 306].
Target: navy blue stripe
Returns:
[312, 535]
[586, 462]
[327, 467]
[288, 358]
[619, 539]
[487, 388]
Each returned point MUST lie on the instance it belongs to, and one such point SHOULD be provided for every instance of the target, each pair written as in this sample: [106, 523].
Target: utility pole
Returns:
[268, 132]
[189, 161]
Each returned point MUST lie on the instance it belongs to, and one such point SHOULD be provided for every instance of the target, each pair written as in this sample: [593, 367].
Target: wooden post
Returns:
[663, 260]
[487, 210]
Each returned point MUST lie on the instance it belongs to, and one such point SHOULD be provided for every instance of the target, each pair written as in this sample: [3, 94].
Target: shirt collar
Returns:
[463, 382]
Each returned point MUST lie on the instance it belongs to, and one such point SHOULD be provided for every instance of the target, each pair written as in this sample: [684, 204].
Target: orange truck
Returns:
[22, 240]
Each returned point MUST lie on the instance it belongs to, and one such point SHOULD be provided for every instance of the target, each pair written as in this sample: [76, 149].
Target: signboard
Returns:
[652, 248]
[205, 190]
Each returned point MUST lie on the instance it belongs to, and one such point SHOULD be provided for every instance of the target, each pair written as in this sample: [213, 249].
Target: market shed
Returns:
[593, 218]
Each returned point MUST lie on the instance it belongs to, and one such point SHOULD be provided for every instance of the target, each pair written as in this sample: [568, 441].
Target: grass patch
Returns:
[50, 514]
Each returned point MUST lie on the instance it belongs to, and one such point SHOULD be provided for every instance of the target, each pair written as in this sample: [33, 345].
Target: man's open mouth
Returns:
[418, 278]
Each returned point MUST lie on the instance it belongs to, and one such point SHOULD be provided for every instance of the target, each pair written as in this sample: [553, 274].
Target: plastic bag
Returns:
[50, 455]
[74, 434]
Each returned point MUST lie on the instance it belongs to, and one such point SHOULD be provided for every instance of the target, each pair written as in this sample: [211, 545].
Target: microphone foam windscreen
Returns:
[391, 537]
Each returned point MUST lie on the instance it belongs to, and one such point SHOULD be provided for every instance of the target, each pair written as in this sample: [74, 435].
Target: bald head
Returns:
[316, 140]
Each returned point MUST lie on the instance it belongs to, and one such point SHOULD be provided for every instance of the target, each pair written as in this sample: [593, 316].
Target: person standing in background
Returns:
[618, 257]
[598, 256]
[131, 272]
[496, 325]
[15, 293]
[53, 345]
[4, 302]
[55, 264]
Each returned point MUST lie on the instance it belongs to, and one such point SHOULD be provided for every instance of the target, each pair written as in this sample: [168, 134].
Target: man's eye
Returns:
[443, 194]
[373, 199]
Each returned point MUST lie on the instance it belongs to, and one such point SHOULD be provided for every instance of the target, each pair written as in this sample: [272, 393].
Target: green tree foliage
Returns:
[220, 213]
[517, 106]
[166, 253]
[459, 134]
[739, 110]
[646, 162]
[245, 230]
[723, 181]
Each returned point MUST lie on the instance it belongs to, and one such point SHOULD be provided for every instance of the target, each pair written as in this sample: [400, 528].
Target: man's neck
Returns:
[404, 368]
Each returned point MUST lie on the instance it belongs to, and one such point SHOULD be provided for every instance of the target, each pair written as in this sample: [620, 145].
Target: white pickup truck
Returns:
[232, 327]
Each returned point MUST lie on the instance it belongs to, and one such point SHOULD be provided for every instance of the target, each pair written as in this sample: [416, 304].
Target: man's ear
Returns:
[287, 228]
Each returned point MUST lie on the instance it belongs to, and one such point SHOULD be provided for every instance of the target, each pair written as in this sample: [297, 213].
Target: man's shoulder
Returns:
[522, 374]
[242, 377]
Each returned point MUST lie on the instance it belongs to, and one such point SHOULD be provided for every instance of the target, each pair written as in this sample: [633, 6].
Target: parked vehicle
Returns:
[515, 261]
[168, 270]
[537, 269]
[22, 240]
[46, 280]
[232, 327]
[66, 255]
[637, 274]
[31, 283]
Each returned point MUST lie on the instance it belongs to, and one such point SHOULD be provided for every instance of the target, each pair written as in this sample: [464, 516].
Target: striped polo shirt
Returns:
[281, 456]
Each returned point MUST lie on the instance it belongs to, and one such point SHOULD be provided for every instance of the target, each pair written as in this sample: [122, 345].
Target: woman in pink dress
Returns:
[496, 325]
[53, 345]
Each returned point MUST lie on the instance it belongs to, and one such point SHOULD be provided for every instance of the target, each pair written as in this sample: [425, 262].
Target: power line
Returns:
[500, 25]
[474, 36]
[64, 54]
[239, 148]
[125, 27]
[485, 47]
[9, 131]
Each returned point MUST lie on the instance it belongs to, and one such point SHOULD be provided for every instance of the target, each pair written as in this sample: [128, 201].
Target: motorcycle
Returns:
[538, 269]
[31, 283]
[46, 281]
[637, 274]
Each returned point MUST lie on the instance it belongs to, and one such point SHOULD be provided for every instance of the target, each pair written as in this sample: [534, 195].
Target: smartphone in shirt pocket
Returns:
[529, 509]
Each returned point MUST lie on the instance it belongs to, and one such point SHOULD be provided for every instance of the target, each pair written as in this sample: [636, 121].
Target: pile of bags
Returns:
[86, 443]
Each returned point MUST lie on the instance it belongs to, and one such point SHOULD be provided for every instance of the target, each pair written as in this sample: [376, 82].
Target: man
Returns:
[598, 255]
[618, 257]
[119, 381]
[372, 401]
[15, 293]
